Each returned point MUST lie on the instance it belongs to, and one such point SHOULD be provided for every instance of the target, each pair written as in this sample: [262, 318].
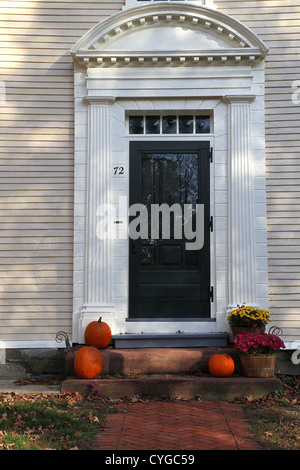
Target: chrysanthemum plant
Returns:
[255, 344]
[248, 317]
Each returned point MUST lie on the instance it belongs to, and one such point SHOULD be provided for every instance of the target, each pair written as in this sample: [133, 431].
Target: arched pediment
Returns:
[164, 33]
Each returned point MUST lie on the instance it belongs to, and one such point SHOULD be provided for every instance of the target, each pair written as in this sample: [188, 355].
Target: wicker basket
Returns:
[258, 366]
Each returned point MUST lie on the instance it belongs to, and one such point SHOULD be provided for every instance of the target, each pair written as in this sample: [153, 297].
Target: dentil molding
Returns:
[195, 35]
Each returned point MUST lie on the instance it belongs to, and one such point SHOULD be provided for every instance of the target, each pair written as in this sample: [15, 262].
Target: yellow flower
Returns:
[248, 315]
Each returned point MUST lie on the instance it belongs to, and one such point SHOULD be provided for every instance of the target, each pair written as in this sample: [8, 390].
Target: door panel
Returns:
[165, 279]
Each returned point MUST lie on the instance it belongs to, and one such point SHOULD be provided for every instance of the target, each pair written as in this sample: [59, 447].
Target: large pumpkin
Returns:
[88, 362]
[221, 365]
[98, 334]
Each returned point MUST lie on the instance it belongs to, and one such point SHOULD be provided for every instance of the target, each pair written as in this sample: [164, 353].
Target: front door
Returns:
[168, 279]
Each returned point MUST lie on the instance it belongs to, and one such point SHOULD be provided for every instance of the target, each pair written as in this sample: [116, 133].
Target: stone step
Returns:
[175, 387]
[167, 340]
[166, 372]
[149, 361]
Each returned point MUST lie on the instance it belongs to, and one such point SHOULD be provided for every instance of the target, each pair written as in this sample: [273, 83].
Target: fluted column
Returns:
[241, 265]
[98, 272]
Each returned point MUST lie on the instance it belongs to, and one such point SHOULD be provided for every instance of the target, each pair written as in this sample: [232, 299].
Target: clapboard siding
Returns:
[36, 163]
[37, 156]
[278, 24]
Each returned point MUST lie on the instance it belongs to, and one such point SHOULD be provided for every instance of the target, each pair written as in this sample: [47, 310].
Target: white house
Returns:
[148, 102]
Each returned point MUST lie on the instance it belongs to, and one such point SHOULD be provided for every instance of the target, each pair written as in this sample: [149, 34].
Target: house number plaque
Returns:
[119, 171]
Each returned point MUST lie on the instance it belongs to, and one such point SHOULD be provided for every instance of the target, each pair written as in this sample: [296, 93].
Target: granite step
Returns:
[174, 387]
[166, 373]
[155, 360]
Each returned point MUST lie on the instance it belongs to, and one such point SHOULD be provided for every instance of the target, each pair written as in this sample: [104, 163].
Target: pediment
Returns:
[167, 33]
[165, 37]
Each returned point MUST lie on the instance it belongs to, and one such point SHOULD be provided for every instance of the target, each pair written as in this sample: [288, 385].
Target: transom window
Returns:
[169, 124]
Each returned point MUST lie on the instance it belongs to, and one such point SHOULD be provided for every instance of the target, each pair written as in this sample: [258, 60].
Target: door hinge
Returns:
[211, 294]
[211, 223]
[211, 155]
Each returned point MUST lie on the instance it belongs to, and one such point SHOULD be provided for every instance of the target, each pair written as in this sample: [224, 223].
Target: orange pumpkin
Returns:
[221, 365]
[98, 334]
[88, 362]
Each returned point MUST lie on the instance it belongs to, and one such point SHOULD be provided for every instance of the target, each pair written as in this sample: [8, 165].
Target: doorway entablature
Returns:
[162, 34]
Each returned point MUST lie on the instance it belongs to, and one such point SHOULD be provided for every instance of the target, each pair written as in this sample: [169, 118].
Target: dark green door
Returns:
[166, 279]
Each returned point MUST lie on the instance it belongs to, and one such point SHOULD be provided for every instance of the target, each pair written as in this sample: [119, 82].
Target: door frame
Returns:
[165, 146]
[225, 133]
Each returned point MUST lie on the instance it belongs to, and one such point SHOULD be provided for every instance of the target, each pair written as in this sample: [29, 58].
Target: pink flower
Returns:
[259, 343]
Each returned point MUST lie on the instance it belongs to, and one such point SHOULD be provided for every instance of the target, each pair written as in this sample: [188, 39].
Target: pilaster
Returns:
[241, 253]
[98, 265]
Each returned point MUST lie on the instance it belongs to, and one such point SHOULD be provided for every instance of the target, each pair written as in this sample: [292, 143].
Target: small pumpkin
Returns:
[221, 365]
[98, 334]
[88, 362]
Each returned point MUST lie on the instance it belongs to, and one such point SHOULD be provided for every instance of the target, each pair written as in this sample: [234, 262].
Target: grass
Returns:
[275, 427]
[274, 420]
[49, 422]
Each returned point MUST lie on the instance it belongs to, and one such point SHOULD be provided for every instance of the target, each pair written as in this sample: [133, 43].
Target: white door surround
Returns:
[163, 57]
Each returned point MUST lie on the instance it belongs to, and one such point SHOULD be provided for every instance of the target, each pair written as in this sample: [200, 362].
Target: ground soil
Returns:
[274, 420]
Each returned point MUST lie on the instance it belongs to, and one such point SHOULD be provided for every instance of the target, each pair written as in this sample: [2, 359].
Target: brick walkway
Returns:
[176, 426]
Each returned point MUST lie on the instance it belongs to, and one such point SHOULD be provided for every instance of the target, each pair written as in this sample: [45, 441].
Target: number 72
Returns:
[118, 170]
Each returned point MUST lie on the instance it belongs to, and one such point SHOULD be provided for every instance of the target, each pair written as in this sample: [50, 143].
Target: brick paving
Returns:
[176, 426]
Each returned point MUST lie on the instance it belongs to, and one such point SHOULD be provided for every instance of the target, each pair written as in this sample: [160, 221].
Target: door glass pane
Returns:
[169, 125]
[186, 124]
[168, 178]
[136, 125]
[202, 124]
[152, 124]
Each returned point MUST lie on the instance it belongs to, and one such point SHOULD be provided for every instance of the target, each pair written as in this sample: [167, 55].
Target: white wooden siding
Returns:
[36, 151]
[277, 22]
[36, 163]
